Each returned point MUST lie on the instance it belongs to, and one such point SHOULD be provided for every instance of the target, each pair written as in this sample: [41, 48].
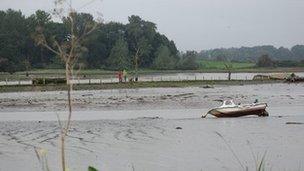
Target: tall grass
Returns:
[259, 163]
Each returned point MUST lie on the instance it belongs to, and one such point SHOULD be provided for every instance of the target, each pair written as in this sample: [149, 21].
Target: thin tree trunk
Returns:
[65, 130]
[229, 75]
[63, 151]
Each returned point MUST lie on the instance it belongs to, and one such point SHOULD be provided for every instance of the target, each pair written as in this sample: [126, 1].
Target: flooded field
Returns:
[155, 129]
[157, 77]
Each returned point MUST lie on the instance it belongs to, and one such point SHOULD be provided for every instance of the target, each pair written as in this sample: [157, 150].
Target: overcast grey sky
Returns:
[201, 24]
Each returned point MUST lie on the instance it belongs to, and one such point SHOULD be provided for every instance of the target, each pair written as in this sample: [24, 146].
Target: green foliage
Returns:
[298, 52]
[92, 169]
[119, 57]
[164, 59]
[188, 61]
[18, 50]
[265, 61]
[289, 63]
[253, 53]
[44, 81]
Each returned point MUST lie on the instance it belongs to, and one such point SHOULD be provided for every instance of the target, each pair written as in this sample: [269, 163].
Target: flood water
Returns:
[136, 129]
[159, 77]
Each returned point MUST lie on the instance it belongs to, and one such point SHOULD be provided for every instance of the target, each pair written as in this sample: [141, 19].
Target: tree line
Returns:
[113, 46]
[296, 53]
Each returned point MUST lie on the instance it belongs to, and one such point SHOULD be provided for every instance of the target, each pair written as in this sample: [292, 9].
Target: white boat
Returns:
[230, 109]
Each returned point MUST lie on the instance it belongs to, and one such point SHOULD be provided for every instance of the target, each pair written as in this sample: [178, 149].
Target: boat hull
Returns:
[259, 110]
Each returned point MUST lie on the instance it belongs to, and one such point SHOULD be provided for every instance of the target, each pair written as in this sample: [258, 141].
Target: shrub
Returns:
[44, 81]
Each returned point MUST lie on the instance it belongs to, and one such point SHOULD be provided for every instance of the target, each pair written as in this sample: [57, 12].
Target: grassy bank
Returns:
[97, 74]
[199, 83]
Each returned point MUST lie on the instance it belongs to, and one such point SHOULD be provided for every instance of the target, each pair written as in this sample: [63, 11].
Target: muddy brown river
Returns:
[136, 129]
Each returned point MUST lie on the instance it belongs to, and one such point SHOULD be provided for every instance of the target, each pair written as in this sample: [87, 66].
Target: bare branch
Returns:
[51, 49]
[86, 33]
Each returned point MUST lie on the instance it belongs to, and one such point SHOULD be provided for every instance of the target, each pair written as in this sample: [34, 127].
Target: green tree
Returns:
[228, 66]
[140, 35]
[164, 58]
[20, 52]
[298, 52]
[188, 61]
[119, 57]
[14, 38]
[265, 61]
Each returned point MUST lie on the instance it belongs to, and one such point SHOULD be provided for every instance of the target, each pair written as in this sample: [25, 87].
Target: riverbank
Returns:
[97, 73]
[132, 85]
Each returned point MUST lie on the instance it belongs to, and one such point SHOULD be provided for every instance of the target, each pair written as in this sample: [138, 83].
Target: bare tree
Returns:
[228, 67]
[68, 50]
[136, 60]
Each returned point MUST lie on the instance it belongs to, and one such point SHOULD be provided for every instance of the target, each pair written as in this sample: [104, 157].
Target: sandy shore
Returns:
[121, 129]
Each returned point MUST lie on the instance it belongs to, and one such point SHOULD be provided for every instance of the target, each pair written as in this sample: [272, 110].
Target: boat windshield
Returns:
[228, 103]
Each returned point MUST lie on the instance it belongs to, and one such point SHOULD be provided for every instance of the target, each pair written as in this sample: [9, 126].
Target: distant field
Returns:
[220, 65]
